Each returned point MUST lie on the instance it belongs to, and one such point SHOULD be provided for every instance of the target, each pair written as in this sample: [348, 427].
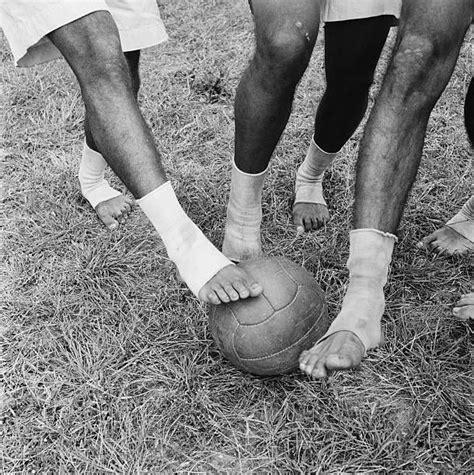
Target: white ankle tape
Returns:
[94, 187]
[244, 215]
[364, 303]
[309, 177]
[463, 223]
[195, 257]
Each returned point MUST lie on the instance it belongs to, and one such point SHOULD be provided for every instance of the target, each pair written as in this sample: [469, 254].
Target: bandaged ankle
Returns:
[244, 215]
[94, 187]
[195, 257]
[463, 221]
[363, 305]
[309, 177]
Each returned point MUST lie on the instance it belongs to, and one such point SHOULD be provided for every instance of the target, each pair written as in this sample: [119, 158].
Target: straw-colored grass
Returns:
[108, 365]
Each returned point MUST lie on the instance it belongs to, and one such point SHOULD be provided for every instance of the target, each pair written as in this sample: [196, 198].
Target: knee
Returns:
[283, 56]
[105, 66]
[419, 66]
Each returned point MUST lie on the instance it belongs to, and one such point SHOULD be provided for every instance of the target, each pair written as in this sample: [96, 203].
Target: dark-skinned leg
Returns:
[111, 206]
[352, 51]
[428, 43]
[285, 36]
[91, 46]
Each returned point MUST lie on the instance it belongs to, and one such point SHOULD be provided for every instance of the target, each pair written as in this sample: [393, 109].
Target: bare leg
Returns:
[91, 46]
[428, 43]
[285, 35]
[111, 206]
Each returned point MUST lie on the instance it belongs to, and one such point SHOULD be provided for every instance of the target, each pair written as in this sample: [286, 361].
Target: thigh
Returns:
[277, 19]
[353, 47]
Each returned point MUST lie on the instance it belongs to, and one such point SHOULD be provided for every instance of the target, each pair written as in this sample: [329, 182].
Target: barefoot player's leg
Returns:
[87, 36]
[285, 36]
[111, 206]
[140, 27]
[352, 50]
[457, 235]
[430, 36]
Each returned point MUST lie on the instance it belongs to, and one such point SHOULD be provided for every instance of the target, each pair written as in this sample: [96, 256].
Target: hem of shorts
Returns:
[361, 17]
[156, 37]
[137, 42]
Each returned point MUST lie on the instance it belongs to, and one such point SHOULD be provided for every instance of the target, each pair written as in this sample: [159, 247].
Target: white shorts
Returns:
[27, 22]
[341, 10]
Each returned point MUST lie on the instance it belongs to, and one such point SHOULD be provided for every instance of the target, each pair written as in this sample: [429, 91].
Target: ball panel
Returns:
[286, 360]
[280, 329]
[249, 311]
[223, 328]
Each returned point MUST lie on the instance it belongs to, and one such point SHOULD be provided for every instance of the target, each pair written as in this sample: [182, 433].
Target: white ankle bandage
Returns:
[364, 303]
[309, 177]
[244, 216]
[463, 221]
[195, 257]
[94, 186]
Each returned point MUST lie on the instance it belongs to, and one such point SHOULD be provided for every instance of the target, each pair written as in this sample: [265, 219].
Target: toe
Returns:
[221, 294]
[213, 298]
[240, 290]
[207, 295]
[233, 294]
[255, 289]
[319, 370]
[110, 222]
[310, 361]
[425, 242]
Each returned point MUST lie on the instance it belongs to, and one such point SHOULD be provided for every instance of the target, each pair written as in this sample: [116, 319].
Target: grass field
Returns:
[108, 365]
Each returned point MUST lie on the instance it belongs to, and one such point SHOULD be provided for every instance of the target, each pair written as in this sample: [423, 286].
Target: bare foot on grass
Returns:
[454, 238]
[309, 216]
[339, 351]
[464, 308]
[114, 211]
[230, 284]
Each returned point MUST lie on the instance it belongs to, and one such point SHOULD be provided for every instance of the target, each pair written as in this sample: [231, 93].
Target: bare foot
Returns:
[230, 284]
[451, 239]
[309, 216]
[114, 211]
[464, 308]
[341, 350]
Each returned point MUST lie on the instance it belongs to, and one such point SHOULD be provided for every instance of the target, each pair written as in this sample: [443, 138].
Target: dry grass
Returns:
[108, 363]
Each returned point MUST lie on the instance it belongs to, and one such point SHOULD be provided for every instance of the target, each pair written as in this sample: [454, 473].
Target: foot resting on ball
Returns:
[464, 308]
[206, 271]
[111, 206]
[244, 216]
[456, 237]
[357, 328]
[310, 211]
